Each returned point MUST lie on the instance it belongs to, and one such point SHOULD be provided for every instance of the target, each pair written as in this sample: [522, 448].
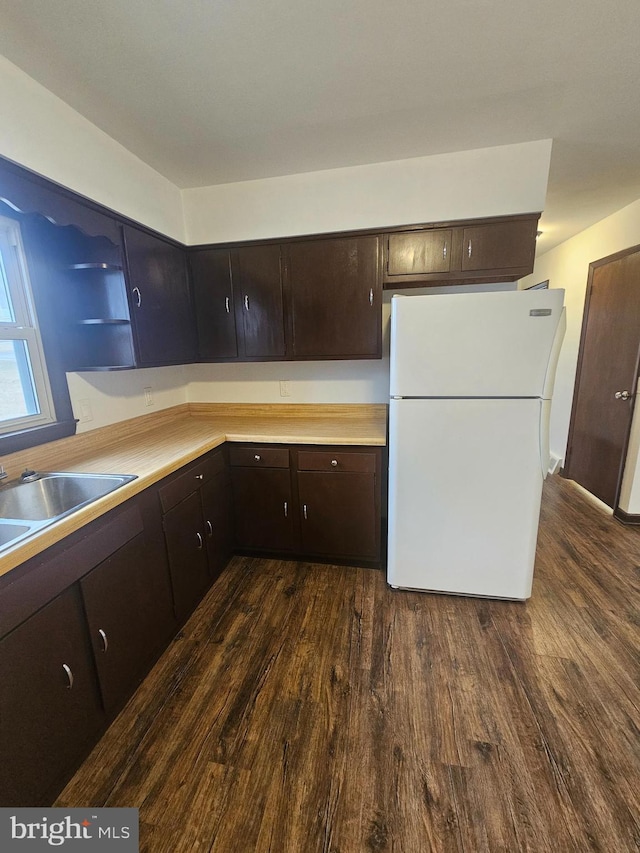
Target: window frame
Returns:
[35, 306]
[24, 327]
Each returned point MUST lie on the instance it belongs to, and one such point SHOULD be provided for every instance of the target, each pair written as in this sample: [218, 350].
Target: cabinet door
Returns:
[335, 292]
[215, 314]
[129, 609]
[49, 703]
[262, 505]
[499, 246]
[338, 514]
[160, 299]
[188, 564]
[218, 522]
[260, 311]
[416, 252]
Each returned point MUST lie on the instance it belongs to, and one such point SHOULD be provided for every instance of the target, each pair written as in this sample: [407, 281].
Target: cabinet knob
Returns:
[103, 637]
[257, 457]
[136, 291]
[334, 462]
[69, 675]
[622, 395]
[200, 542]
[199, 476]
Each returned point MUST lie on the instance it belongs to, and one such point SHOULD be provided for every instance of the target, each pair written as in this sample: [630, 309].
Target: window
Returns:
[25, 394]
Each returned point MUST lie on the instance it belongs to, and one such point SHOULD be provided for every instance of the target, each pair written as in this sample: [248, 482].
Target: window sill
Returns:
[13, 442]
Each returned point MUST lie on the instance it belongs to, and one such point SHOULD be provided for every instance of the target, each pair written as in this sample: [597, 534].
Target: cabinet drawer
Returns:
[322, 460]
[183, 485]
[259, 457]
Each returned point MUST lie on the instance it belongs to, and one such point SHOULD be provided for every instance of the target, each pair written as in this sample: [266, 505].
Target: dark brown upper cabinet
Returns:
[257, 276]
[160, 299]
[462, 253]
[214, 304]
[94, 315]
[414, 252]
[505, 245]
[334, 288]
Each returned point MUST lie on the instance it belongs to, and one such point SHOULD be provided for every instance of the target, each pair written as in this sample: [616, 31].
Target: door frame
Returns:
[566, 472]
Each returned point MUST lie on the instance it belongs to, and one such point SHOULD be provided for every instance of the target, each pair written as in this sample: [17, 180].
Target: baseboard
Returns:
[626, 517]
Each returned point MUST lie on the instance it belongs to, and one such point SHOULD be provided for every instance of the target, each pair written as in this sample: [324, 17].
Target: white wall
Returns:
[100, 399]
[567, 266]
[462, 185]
[45, 134]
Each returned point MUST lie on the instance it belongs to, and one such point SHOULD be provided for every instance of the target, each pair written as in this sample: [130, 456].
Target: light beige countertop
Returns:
[153, 446]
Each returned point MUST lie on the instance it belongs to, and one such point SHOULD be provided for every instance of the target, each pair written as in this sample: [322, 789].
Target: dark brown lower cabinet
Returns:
[338, 514]
[129, 609]
[188, 563]
[309, 501]
[339, 493]
[50, 709]
[263, 508]
[198, 527]
[217, 511]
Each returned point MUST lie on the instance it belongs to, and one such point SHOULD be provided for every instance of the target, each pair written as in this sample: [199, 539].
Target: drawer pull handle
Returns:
[200, 543]
[226, 304]
[334, 462]
[246, 303]
[286, 510]
[257, 457]
[370, 296]
[69, 675]
[199, 476]
[444, 252]
[210, 528]
[469, 249]
[304, 511]
[103, 637]
[136, 290]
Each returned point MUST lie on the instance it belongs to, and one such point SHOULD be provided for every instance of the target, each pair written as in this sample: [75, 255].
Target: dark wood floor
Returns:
[310, 708]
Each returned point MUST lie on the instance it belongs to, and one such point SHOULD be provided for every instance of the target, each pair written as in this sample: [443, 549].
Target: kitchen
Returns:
[439, 188]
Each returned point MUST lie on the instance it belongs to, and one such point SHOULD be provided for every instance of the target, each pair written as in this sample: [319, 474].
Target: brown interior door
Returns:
[607, 368]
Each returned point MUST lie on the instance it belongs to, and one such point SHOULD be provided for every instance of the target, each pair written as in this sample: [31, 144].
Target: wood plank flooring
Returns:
[310, 708]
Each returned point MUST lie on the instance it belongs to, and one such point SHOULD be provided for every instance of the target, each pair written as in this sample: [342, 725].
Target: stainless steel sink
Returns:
[27, 507]
[11, 532]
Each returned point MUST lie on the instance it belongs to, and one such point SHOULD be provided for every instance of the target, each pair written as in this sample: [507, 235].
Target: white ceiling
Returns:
[213, 91]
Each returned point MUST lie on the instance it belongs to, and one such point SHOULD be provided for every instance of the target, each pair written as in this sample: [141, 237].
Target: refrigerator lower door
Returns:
[465, 483]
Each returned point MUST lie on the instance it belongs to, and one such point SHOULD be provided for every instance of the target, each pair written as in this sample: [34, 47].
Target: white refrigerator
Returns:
[471, 382]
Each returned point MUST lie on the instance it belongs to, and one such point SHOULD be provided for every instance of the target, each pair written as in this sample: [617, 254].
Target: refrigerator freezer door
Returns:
[473, 344]
[465, 483]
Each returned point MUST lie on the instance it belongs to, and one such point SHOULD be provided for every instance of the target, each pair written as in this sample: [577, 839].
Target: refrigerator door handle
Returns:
[554, 355]
[545, 458]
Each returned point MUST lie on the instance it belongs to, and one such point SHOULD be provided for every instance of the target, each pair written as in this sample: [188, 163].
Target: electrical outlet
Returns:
[148, 396]
[85, 411]
[285, 387]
